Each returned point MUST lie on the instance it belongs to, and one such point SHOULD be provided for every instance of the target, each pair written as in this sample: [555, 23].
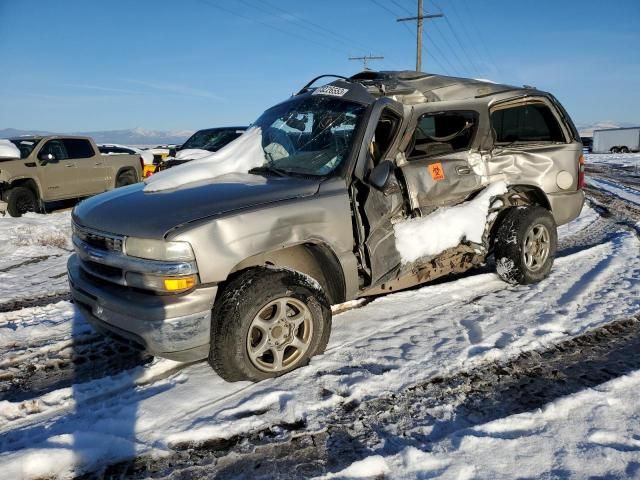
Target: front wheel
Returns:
[525, 245]
[624, 150]
[20, 200]
[268, 322]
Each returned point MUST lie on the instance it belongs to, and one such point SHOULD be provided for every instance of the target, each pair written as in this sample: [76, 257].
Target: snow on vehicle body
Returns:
[201, 144]
[346, 184]
[52, 168]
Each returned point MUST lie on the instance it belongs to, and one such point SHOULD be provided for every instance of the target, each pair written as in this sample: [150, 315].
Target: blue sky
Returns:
[81, 65]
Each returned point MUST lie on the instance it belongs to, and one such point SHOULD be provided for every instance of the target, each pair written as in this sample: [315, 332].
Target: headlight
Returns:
[158, 249]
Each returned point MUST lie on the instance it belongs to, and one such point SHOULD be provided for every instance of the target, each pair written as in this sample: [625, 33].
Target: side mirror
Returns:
[46, 158]
[380, 175]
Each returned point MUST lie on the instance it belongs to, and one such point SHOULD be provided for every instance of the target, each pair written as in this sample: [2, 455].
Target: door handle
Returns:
[98, 164]
[70, 165]
[464, 170]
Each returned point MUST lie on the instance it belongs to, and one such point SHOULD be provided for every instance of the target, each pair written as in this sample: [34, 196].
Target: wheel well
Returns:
[316, 260]
[127, 170]
[534, 195]
[27, 183]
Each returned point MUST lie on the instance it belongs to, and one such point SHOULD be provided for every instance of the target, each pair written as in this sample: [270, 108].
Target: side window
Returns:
[440, 133]
[55, 148]
[78, 148]
[532, 122]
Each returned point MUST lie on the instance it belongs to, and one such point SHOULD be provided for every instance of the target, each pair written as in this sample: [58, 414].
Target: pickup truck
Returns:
[56, 168]
[360, 187]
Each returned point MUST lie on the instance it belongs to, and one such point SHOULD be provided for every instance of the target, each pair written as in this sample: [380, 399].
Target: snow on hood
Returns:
[8, 149]
[446, 227]
[191, 154]
[241, 155]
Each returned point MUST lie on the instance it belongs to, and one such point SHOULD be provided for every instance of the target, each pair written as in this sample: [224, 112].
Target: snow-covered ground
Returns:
[382, 348]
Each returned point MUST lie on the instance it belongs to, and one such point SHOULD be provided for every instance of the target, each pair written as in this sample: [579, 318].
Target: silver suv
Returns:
[242, 269]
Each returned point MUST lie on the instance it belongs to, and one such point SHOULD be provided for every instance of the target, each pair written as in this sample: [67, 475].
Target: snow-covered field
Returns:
[183, 418]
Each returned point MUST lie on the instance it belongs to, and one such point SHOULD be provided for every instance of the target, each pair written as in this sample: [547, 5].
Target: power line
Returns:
[456, 36]
[419, 18]
[433, 44]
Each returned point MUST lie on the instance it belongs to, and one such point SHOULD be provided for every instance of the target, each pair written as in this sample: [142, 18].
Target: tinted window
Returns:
[26, 145]
[78, 148]
[440, 133]
[532, 122]
[55, 148]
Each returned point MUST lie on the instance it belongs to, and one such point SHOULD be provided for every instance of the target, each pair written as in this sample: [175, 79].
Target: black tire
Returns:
[514, 261]
[624, 150]
[20, 200]
[614, 150]
[238, 306]
[126, 178]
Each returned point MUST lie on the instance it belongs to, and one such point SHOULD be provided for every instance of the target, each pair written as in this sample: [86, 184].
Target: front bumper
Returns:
[171, 326]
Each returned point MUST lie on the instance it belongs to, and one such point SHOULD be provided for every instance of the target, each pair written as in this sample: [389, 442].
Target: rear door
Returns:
[58, 176]
[437, 170]
[91, 168]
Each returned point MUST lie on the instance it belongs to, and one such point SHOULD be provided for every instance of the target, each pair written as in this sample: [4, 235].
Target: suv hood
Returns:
[131, 211]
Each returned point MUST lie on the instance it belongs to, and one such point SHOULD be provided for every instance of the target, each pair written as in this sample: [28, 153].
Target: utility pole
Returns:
[419, 18]
[365, 59]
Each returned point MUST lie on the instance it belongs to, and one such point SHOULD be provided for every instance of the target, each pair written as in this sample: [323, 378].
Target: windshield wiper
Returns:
[269, 169]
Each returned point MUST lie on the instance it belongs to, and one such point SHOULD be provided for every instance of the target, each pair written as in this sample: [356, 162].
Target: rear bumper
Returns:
[171, 326]
[566, 206]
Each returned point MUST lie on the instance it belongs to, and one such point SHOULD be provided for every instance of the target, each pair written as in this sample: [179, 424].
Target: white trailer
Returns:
[616, 140]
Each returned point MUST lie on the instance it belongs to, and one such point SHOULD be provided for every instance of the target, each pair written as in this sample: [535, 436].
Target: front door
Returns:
[379, 209]
[58, 173]
[437, 171]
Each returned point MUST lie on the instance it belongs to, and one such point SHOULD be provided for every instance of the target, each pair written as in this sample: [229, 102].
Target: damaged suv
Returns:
[364, 186]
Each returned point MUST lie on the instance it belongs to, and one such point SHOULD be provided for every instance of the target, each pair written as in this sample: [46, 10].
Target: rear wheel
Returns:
[624, 150]
[614, 150]
[20, 200]
[266, 323]
[525, 245]
[125, 178]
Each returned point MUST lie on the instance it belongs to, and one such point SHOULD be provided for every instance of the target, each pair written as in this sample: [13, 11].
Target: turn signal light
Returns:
[180, 283]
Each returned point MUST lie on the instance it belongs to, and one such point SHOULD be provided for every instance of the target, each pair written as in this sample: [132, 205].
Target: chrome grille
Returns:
[103, 241]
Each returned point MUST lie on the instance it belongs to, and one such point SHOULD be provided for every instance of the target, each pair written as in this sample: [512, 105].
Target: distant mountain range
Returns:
[132, 136]
[586, 129]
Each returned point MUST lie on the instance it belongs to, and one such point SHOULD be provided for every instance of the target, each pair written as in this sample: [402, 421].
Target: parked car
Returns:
[201, 144]
[147, 156]
[616, 140]
[56, 168]
[243, 269]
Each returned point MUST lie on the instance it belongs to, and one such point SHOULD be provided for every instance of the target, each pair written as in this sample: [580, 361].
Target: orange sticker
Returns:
[436, 171]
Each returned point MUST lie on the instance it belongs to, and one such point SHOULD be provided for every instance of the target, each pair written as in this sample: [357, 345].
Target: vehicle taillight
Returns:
[581, 173]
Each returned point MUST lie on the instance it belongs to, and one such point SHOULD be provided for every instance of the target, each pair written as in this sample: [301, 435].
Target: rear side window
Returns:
[532, 122]
[78, 148]
[440, 133]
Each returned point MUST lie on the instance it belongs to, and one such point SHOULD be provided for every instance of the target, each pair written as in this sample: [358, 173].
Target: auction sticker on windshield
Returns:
[330, 90]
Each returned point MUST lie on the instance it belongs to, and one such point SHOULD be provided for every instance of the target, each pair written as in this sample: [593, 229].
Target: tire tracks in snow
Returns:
[426, 415]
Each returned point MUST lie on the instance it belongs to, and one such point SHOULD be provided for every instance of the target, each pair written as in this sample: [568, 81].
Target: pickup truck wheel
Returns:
[124, 179]
[624, 150]
[20, 200]
[525, 245]
[266, 323]
[614, 150]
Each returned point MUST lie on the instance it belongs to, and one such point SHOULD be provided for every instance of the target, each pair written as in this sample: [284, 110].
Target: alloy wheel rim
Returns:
[536, 246]
[279, 335]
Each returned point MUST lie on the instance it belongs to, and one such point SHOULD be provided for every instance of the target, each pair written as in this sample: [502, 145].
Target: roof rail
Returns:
[307, 87]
